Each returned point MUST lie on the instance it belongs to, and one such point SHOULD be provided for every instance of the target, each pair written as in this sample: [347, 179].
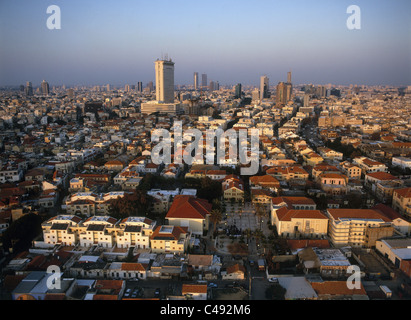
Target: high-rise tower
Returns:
[195, 80]
[45, 90]
[165, 81]
[264, 87]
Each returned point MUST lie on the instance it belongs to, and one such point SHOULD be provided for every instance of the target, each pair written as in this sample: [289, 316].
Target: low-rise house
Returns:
[234, 272]
[338, 290]
[329, 154]
[329, 263]
[265, 182]
[312, 159]
[368, 165]
[401, 201]
[107, 290]
[399, 222]
[288, 173]
[352, 171]
[114, 165]
[334, 183]
[127, 270]
[194, 291]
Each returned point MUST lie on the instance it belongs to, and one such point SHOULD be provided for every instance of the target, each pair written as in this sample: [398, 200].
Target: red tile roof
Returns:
[285, 214]
[336, 288]
[403, 192]
[189, 207]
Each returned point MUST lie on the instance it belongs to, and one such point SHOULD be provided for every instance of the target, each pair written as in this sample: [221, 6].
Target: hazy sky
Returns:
[232, 41]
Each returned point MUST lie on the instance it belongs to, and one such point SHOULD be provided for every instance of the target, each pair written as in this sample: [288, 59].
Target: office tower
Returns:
[211, 86]
[195, 80]
[255, 95]
[108, 87]
[288, 91]
[29, 89]
[164, 102]
[306, 100]
[289, 87]
[139, 86]
[127, 88]
[264, 87]
[45, 89]
[150, 86]
[237, 91]
[165, 81]
[281, 94]
[204, 80]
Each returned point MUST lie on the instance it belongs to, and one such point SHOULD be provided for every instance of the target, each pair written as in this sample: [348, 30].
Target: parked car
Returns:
[273, 280]
[212, 285]
[127, 293]
[157, 293]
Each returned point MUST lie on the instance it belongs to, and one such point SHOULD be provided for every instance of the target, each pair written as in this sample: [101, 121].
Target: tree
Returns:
[215, 217]
[260, 212]
[275, 292]
[21, 233]
[134, 204]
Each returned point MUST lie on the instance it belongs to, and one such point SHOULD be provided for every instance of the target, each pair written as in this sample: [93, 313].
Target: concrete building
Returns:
[358, 227]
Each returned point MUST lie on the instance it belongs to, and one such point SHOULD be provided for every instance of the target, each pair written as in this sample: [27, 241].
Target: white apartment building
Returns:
[10, 173]
[103, 231]
[357, 227]
[401, 162]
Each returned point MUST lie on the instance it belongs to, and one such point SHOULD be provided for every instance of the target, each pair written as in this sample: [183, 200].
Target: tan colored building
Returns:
[357, 227]
[401, 201]
[293, 223]
[312, 159]
[351, 170]
[334, 183]
[288, 173]
[170, 239]
[233, 188]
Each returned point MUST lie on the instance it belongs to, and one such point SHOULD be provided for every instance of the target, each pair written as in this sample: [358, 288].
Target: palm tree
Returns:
[215, 217]
[260, 212]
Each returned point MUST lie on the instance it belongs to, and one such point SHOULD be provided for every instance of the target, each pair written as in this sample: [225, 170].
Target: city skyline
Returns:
[231, 42]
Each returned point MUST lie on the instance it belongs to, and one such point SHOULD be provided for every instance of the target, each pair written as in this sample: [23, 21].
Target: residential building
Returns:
[357, 227]
[170, 239]
[401, 201]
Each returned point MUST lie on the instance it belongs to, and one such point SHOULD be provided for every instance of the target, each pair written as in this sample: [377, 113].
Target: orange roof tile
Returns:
[336, 288]
[189, 207]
